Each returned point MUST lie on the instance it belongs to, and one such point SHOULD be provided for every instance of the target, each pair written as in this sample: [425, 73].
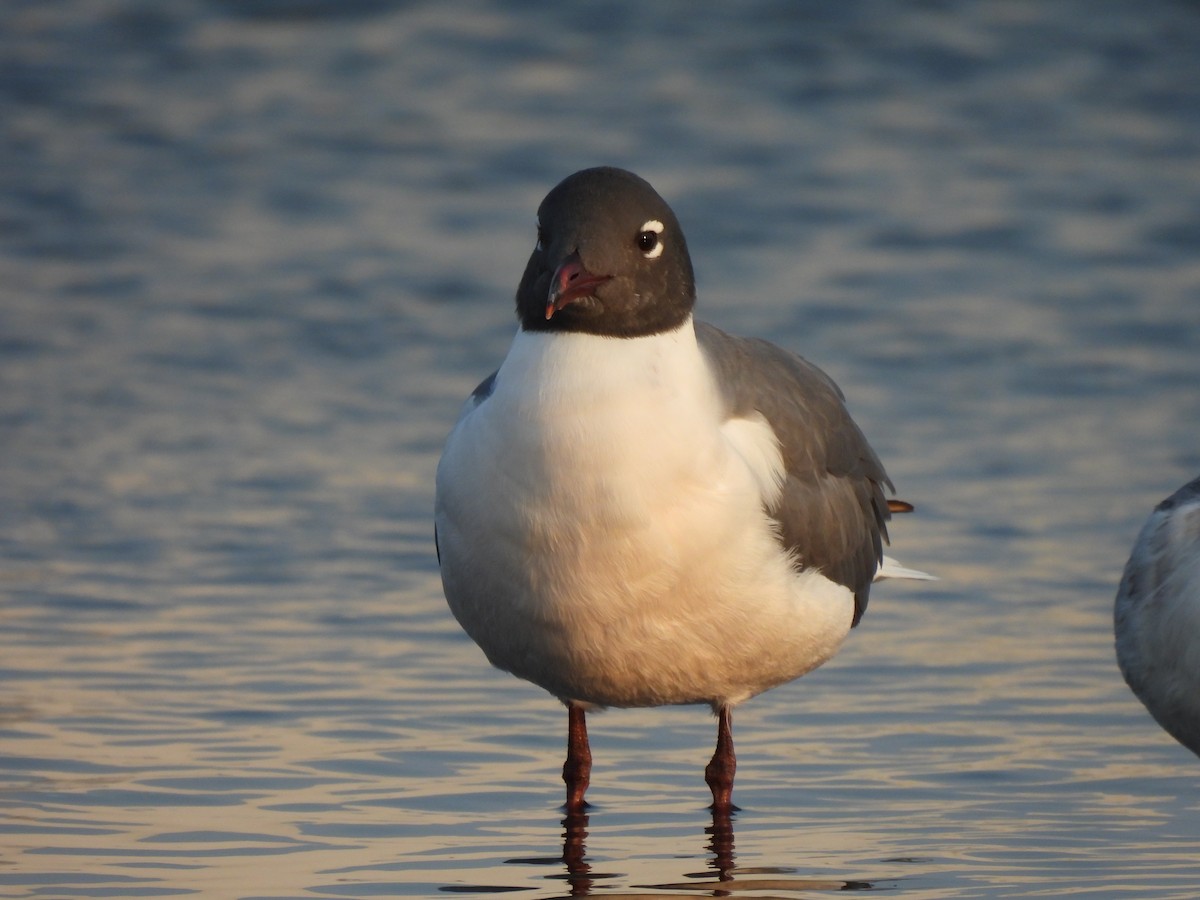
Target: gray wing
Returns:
[832, 512]
[485, 388]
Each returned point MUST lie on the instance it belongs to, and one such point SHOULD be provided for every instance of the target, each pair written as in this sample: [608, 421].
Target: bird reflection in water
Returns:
[581, 877]
[718, 880]
[579, 870]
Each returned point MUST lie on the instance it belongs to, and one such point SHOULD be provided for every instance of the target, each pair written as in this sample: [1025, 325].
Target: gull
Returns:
[1156, 616]
[637, 509]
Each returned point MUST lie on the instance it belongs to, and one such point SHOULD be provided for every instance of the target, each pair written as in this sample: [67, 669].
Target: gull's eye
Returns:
[648, 240]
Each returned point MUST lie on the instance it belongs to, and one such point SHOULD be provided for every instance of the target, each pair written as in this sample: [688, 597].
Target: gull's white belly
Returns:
[608, 541]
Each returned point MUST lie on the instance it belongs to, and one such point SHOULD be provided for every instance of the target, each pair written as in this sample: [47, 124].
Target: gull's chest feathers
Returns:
[606, 426]
[598, 453]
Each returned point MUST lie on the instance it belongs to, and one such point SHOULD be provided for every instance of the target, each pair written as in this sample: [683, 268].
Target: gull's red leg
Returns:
[720, 770]
[577, 770]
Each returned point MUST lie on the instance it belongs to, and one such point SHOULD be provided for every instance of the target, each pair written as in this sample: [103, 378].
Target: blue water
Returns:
[254, 253]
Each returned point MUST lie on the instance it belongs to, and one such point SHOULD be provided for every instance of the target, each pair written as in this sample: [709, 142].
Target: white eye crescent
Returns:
[648, 239]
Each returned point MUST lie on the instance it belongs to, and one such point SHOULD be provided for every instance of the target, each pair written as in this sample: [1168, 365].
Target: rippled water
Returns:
[253, 254]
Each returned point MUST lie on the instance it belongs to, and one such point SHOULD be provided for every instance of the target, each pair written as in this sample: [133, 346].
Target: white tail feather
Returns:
[889, 568]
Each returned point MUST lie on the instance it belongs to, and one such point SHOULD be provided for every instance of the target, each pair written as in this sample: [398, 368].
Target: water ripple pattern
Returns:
[254, 254]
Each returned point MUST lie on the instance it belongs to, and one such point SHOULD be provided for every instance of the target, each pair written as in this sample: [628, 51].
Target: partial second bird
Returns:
[637, 509]
[1156, 616]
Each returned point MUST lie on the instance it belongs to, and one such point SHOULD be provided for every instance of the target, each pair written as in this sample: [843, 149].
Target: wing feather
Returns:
[832, 510]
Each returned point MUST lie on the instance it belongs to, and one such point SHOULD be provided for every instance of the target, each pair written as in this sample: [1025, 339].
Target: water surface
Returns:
[252, 257]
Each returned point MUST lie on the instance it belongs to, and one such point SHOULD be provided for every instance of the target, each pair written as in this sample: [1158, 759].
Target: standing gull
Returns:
[638, 509]
[1157, 616]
